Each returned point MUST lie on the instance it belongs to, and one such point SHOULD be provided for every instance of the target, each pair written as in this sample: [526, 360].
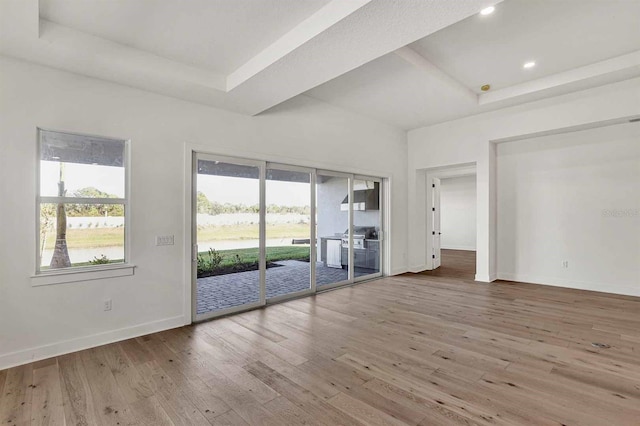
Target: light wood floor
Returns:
[413, 349]
[455, 264]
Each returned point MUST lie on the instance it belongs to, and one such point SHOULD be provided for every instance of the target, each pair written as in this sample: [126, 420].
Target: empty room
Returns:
[320, 212]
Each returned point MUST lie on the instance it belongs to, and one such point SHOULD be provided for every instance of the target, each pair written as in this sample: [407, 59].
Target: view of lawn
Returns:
[113, 237]
[250, 255]
[247, 231]
[89, 238]
[79, 264]
[219, 262]
[223, 261]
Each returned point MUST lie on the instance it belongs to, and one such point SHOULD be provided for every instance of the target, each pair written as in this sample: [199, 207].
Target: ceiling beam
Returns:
[603, 72]
[323, 19]
[420, 62]
[116, 60]
[376, 29]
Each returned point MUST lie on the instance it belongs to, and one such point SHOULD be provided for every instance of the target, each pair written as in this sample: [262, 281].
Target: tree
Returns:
[203, 203]
[94, 210]
[47, 213]
[60, 258]
[91, 192]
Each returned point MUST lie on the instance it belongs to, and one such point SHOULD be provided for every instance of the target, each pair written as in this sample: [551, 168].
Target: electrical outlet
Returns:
[164, 240]
[107, 305]
[565, 264]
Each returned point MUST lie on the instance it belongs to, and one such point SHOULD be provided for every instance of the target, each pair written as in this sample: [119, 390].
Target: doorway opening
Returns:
[451, 222]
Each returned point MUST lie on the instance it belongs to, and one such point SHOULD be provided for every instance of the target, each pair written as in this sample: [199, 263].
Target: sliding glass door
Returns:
[367, 227]
[333, 220]
[288, 231]
[264, 232]
[227, 228]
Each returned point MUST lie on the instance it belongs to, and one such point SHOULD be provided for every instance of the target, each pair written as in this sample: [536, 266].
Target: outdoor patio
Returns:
[226, 291]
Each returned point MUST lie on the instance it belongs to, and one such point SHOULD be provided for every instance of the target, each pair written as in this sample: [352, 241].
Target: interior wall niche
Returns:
[569, 209]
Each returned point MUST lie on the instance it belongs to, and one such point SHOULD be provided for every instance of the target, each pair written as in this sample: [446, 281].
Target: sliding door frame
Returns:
[262, 166]
[350, 270]
[312, 247]
[381, 226]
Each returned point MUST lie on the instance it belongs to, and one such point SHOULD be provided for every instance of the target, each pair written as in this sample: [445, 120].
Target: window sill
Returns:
[75, 275]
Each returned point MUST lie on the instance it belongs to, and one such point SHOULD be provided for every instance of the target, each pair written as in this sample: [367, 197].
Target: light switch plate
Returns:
[164, 240]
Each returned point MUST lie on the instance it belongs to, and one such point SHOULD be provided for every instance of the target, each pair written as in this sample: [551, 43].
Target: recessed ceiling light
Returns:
[487, 10]
[529, 64]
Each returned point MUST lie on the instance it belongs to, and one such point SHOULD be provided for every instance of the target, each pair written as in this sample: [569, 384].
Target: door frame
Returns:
[193, 153]
[261, 165]
[439, 173]
[381, 235]
[350, 270]
[436, 226]
[312, 247]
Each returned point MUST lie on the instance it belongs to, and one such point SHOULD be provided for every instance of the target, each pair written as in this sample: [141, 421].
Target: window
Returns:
[82, 202]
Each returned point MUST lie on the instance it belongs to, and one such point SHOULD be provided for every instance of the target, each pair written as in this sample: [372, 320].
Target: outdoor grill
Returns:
[360, 234]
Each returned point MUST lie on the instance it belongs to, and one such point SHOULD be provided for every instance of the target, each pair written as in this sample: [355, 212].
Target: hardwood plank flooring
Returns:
[457, 264]
[418, 349]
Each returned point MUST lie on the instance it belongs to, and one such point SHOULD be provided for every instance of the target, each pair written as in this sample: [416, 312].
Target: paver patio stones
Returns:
[226, 291]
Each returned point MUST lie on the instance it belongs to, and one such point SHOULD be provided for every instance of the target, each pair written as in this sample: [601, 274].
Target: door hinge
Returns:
[433, 185]
[433, 232]
[433, 209]
[194, 253]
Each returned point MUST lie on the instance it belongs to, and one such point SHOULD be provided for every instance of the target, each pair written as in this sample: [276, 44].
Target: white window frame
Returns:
[89, 272]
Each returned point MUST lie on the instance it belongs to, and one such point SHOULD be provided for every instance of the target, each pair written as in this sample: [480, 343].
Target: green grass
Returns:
[251, 255]
[89, 238]
[80, 264]
[240, 260]
[247, 231]
[79, 238]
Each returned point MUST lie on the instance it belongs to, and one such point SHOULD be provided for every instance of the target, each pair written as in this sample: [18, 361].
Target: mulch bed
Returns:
[234, 269]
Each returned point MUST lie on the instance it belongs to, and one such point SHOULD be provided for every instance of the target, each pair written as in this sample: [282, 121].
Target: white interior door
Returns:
[436, 233]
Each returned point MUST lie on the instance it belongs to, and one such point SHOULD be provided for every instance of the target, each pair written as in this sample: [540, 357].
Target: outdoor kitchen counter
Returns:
[323, 247]
[367, 258]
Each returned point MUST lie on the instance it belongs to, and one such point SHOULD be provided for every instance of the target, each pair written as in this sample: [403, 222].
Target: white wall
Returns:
[458, 213]
[42, 321]
[469, 140]
[573, 197]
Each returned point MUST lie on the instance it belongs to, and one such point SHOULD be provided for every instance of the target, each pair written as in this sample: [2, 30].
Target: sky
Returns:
[245, 191]
[77, 176]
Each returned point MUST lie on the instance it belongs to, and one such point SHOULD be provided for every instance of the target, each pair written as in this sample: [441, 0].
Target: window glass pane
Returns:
[288, 232]
[366, 227]
[228, 235]
[332, 224]
[85, 235]
[81, 166]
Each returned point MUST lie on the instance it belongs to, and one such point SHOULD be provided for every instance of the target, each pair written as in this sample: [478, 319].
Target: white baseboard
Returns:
[60, 348]
[399, 271]
[623, 289]
[419, 268]
[465, 248]
[486, 278]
